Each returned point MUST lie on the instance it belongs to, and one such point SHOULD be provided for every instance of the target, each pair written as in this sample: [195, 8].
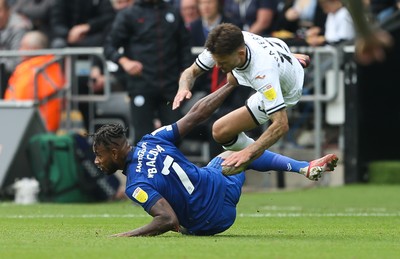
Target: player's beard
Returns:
[110, 169]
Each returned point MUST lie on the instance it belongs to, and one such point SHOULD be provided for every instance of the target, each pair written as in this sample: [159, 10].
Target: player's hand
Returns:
[373, 48]
[238, 159]
[180, 97]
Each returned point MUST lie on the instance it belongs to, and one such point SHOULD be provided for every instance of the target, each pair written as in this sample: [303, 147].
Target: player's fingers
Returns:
[379, 54]
[239, 163]
[188, 95]
[227, 161]
[175, 103]
[364, 56]
[177, 100]
[385, 38]
[232, 161]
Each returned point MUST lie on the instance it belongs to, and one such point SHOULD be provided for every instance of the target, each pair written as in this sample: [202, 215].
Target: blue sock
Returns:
[272, 161]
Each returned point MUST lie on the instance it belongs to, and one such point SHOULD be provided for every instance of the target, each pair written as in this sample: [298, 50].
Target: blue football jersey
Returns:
[203, 198]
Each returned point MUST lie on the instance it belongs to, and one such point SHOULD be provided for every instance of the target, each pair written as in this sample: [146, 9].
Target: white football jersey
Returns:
[270, 69]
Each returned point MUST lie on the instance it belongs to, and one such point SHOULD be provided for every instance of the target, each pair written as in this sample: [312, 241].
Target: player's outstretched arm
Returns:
[186, 81]
[204, 108]
[164, 220]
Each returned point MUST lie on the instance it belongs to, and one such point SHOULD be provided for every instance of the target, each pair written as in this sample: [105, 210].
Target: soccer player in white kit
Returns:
[267, 66]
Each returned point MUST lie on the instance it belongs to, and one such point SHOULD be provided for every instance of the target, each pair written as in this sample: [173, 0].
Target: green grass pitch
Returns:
[359, 221]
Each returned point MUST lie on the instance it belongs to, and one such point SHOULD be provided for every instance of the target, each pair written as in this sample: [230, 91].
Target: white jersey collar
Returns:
[248, 59]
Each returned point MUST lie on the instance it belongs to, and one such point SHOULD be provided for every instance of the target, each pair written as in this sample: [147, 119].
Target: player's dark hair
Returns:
[224, 39]
[109, 134]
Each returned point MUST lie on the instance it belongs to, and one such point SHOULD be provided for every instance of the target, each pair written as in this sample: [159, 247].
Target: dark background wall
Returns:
[372, 129]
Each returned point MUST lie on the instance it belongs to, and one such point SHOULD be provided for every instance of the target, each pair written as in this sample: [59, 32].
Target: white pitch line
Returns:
[49, 216]
[317, 215]
[241, 215]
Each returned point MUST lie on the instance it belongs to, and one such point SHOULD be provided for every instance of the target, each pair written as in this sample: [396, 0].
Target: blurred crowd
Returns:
[148, 43]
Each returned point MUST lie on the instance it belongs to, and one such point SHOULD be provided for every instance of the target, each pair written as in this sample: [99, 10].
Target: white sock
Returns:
[242, 141]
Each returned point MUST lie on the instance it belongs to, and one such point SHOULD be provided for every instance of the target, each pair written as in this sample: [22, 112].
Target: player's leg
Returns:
[228, 130]
[272, 161]
[312, 170]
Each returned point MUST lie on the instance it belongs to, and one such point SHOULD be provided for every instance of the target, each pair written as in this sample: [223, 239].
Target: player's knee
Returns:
[221, 133]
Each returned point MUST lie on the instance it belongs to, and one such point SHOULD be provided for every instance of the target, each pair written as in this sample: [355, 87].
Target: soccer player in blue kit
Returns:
[179, 195]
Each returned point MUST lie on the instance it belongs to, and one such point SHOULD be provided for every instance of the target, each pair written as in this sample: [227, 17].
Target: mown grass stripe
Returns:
[242, 215]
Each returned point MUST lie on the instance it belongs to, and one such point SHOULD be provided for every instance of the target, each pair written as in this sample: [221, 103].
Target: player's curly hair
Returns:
[108, 135]
[224, 39]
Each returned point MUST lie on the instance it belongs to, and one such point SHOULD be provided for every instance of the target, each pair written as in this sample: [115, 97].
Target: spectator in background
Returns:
[118, 5]
[49, 82]
[37, 12]
[210, 16]
[80, 23]
[338, 26]
[174, 3]
[96, 77]
[12, 28]
[296, 17]
[156, 50]
[254, 16]
[76, 23]
[383, 9]
[189, 11]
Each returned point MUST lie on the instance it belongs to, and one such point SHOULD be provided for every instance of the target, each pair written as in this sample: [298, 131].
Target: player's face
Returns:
[105, 159]
[208, 8]
[228, 62]
[121, 4]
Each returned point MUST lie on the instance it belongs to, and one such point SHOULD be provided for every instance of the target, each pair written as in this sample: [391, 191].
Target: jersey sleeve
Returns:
[143, 194]
[169, 133]
[205, 61]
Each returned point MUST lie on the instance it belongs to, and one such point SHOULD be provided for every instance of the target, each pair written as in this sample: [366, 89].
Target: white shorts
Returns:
[256, 107]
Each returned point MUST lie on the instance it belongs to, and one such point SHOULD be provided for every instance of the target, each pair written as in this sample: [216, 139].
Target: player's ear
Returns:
[115, 153]
[242, 51]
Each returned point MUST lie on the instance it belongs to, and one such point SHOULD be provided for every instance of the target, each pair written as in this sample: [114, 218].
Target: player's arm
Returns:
[231, 79]
[164, 220]
[277, 129]
[357, 11]
[204, 108]
[186, 81]
[372, 42]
